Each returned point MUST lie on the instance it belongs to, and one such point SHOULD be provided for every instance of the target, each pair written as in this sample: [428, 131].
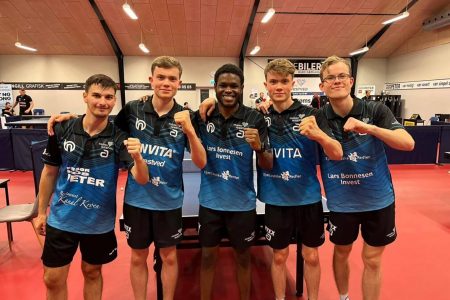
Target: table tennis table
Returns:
[190, 234]
[35, 122]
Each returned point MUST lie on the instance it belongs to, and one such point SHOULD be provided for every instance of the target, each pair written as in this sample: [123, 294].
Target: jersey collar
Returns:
[356, 110]
[239, 114]
[78, 128]
[148, 107]
[294, 106]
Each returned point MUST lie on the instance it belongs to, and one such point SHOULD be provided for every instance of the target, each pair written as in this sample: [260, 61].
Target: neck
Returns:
[93, 125]
[282, 106]
[227, 112]
[162, 106]
[342, 106]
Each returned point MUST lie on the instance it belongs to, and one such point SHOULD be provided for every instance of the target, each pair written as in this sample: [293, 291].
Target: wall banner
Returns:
[418, 85]
[5, 95]
[80, 86]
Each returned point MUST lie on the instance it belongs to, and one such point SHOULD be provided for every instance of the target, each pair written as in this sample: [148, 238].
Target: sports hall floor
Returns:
[416, 266]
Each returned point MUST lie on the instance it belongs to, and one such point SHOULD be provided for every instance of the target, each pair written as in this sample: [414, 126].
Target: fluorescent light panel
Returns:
[359, 51]
[255, 50]
[395, 19]
[19, 45]
[143, 48]
[127, 8]
[269, 14]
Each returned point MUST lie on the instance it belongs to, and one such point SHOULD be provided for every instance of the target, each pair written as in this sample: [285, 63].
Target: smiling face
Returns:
[228, 90]
[165, 82]
[100, 101]
[337, 81]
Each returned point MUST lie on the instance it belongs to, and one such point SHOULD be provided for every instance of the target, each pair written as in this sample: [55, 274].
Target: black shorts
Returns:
[60, 247]
[304, 222]
[237, 226]
[144, 226]
[377, 227]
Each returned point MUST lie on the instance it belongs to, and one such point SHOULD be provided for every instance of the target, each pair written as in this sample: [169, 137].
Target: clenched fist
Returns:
[251, 135]
[183, 119]
[310, 129]
[134, 147]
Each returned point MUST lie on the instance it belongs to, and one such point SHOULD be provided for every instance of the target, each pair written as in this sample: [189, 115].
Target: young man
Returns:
[152, 213]
[359, 188]
[81, 167]
[291, 189]
[227, 196]
[7, 111]
[25, 102]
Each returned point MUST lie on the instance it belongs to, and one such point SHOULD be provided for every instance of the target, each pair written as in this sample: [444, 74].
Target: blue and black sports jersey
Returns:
[361, 181]
[293, 178]
[227, 180]
[163, 144]
[84, 200]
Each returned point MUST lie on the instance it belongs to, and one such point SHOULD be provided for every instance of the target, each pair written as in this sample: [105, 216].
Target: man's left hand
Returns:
[251, 135]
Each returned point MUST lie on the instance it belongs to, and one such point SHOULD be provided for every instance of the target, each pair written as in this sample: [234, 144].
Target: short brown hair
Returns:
[331, 61]
[281, 66]
[102, 80]
[166, 62]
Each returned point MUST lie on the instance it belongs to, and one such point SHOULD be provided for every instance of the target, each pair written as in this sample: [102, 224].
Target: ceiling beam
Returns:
[248, 33]
[115, 46]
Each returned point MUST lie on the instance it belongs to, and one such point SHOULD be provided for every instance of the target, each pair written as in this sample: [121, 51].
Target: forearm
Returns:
[46, 187]
[198, 153]
[140, 171]
[265, 159]
[331, 147]
[398, 139]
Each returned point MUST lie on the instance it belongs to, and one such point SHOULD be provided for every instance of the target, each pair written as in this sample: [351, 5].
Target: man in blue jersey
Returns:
[81, 168]
[152, 212]
[227, 197]
[291, 189]
[359, 188]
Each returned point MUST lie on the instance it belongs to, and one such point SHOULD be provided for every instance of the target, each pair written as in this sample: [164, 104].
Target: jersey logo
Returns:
[240, 134]
[268, 121]
[210, 127]
[104, 153]
[156, 181]
[366, 120]
[173, 133]
[68, 146]
[285, 176]
[140, 124]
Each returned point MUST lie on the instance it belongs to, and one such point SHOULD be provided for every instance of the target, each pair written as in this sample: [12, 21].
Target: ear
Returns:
[321, 86]
[265, 84]
[352, 80]
[84, 97]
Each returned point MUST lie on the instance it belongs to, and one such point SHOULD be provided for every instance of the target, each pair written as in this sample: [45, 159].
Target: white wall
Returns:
[38, 68]
[372, 71]
[56, 68]
[431, 63]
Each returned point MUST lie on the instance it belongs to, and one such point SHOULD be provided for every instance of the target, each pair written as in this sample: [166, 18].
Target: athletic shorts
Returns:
[377, 226]
[304, 222]
[144, 226]
[60, 247]
[237, 226]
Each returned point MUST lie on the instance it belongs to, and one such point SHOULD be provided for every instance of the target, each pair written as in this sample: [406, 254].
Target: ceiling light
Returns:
[255, 50]
[269, 14]
[359, 51]
[142, 46]
[403, 15]
[21, 46]
[127, 8]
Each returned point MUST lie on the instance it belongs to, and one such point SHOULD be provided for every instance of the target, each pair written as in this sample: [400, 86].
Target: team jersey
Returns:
[227, 179]
[163, 143]
[24, 102]
[84, 200]
[361, 181]
[293, 178]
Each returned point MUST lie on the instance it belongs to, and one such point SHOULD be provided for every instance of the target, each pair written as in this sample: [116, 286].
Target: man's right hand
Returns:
[58, 119]
[206, 108]
[40, 224]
